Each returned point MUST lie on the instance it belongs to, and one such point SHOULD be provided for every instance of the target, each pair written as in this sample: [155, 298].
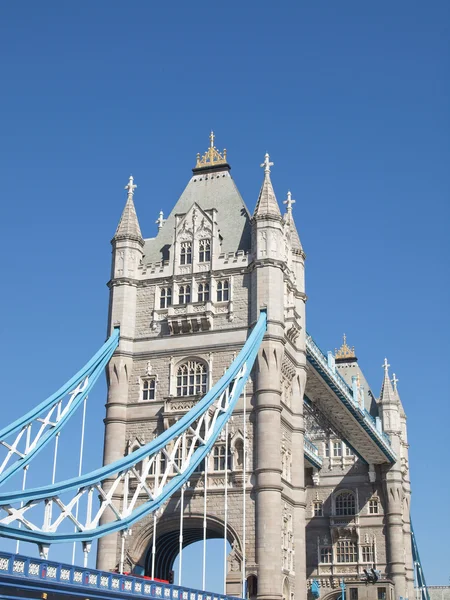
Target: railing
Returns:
[16, 568]
[347, 393]
[312, 452]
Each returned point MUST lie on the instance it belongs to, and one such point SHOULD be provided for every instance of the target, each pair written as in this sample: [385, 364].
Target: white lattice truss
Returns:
[32, 434]
[131, 492]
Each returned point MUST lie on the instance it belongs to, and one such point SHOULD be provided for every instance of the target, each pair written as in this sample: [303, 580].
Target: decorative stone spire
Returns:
[160, 220]
[267, 205]
[387, 395]
[289, 220]
[397, 395]
[128, 227]
[289, 202]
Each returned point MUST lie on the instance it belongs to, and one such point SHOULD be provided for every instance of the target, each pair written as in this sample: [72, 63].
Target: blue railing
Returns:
[312, 453]
[342, 390]
[24, 571]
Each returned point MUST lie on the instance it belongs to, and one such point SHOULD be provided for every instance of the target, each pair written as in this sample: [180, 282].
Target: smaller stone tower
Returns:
[127, 250]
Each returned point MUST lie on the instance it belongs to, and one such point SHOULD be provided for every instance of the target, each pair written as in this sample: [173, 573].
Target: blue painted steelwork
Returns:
[334, 380]
[87, 375]
[236, 377]
[42, 575]
[311, 453]
[420, 576]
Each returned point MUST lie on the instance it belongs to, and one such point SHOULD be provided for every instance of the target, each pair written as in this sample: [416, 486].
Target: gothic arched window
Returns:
[204, 252]
[184, 294]
[203, 292]
[186, 253]
[345, 504]
[223, 291]
[192, 378]
[165, 298]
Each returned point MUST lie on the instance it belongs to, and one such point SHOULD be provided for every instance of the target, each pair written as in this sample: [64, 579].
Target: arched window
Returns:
[184, 294]
[148, 389]
[223, 291]
[186, 253]
[203, 292]
[192, 378]
[345, 504]
[165, 298]
[204, 253]
[219, 458]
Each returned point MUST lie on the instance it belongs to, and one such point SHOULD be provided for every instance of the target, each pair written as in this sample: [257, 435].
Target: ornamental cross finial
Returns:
[289, 202]
[394, 382]
[130, 187]
[160, 220]
[267, 164]
[386, 366]
[211, 139]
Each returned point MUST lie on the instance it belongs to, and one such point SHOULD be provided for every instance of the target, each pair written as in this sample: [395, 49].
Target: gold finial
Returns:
[212, 156]
[345, 351]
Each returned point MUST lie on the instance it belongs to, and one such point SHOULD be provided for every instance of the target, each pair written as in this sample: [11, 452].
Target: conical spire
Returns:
[397, 395]
[387, 395]
[289, 220]
[267, 205]
[128, 227]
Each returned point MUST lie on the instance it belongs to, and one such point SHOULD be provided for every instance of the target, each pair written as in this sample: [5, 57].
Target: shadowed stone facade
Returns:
[185, 301]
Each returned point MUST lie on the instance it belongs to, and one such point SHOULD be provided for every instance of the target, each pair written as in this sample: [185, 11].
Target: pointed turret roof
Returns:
[128, 227]
[267, 205]
[387, 395]
[397, 395]
[289, 220]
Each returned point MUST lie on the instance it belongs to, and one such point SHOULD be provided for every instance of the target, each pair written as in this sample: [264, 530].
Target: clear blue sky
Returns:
[351, 99]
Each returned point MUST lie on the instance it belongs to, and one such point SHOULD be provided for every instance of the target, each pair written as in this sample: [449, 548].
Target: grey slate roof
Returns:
[128, 226]
[209, 190]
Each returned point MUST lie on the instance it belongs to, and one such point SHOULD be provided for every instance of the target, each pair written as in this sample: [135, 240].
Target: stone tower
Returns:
[184, 301]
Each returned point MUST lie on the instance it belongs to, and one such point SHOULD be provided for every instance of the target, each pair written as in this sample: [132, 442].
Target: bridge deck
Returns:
[20, 575]
[327, 390]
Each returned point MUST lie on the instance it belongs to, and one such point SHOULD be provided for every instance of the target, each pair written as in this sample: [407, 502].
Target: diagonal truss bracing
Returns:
[137, 484]
[29, 434]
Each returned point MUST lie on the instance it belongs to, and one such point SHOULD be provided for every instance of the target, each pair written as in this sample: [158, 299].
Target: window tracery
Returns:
[192, 378]
[345, 504]
[184, 294]
[203, 292]
[165, 297]
[223, 290]
[186, 253]
[204, 252]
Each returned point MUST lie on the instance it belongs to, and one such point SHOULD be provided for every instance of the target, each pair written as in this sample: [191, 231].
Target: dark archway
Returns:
[168, 536]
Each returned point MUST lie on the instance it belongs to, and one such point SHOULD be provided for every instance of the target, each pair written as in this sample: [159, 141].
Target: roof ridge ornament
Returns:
[289, 202]
[344, 351]
[394, 382]
[266, 164]
[212, 156]
[131, 186]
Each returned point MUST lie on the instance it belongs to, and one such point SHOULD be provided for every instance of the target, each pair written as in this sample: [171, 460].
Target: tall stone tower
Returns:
[184, 301]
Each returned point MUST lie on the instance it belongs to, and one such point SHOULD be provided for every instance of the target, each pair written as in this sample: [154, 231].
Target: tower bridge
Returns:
[224, 419]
